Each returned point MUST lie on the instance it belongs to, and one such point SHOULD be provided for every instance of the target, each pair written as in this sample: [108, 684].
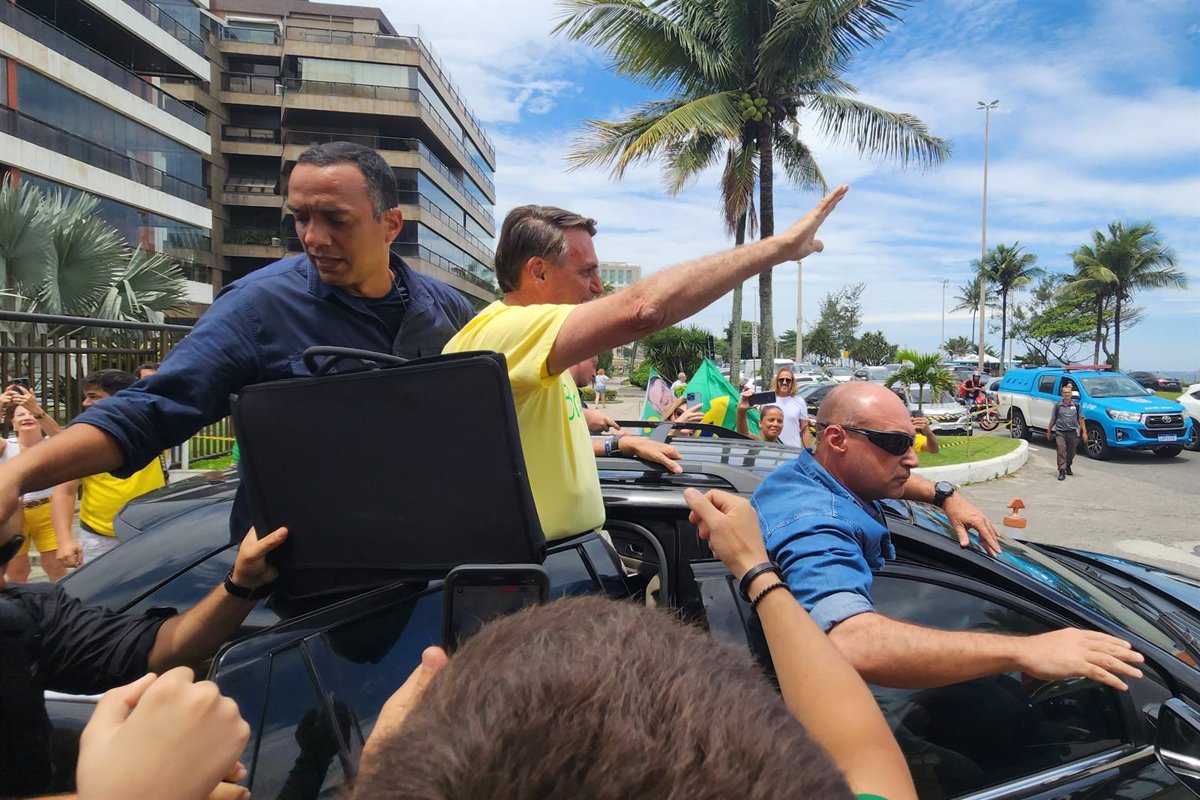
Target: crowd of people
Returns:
[540, 703]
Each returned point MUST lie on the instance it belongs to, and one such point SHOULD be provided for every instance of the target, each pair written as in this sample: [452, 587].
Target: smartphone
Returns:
[475, 594]
[693, 399]
[761, 398]
[23, 382]
[916, 413]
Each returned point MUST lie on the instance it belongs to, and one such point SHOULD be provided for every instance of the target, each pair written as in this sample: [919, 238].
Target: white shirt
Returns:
[795, 413]
[677, 385]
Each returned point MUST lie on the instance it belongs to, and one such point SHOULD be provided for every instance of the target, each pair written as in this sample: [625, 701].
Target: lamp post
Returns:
[799, 312]
[987, 110]
[945, 283]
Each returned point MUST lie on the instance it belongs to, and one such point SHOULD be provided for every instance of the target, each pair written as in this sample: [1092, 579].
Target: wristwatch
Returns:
[942, 490]
[246, 592]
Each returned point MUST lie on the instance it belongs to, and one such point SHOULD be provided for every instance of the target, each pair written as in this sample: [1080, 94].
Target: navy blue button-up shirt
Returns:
[257, 330]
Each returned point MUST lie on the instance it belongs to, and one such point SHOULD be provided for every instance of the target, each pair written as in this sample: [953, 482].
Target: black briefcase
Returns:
[398, 470]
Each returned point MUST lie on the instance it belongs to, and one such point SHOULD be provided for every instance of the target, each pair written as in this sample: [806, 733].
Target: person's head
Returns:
[602, 373]
[660, 394]
[344, 200]
[545, 255]
[770, 422]
[583, 372]
[24, 423]
[784, 383]
[542, 704]
[682, 377]
[1067, 391]
[851, 419]
[103, 384]
[148, 368]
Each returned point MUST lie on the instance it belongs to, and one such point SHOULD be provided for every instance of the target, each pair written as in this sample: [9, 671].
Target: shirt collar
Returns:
[417, 294]
[808, 465]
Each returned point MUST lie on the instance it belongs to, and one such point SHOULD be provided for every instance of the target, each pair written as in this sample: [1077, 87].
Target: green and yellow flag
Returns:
[720, 398]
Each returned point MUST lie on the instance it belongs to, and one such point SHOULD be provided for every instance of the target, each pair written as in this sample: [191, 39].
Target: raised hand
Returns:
[800, 238]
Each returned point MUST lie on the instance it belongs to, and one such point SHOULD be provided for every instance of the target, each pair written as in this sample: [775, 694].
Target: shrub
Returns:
[589, 394]
[641, 375]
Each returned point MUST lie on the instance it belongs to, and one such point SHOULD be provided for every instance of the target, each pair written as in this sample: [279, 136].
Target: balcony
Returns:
[391, 144]
[386, 41]
[249, 242]
[421, 253]
[428, 209]
[43, 32]
[252, 190]
[392, 94]
[71, 146]
[243, 140]
[235, 33]
[169, 24]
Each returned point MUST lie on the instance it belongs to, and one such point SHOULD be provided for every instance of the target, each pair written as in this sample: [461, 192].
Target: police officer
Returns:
[49, 640]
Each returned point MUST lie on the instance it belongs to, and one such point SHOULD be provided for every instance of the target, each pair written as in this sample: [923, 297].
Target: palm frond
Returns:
[88, 254]
[26, 251]
[149, 284]
[685, 160]
[810, 32]
[737, 188]
[879, 133]
[798, 162]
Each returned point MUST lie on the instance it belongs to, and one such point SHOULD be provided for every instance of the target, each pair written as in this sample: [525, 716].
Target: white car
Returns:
[1190, 400]
[839, 374]
[945, 414]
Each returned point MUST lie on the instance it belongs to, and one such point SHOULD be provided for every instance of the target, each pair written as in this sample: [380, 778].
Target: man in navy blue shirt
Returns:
[348, 290]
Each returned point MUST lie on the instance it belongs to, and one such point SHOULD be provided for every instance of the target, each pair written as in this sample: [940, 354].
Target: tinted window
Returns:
[569, 574]
[298, 749]
[1031, 725]
[1046, 384]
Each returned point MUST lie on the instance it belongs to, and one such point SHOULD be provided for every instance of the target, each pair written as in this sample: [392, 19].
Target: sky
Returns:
[1098, 121]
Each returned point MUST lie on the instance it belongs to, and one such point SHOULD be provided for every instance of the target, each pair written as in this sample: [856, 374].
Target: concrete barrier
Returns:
[979, 471]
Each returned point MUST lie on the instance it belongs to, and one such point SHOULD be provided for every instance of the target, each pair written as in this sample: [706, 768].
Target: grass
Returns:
[961, 449]
[1169, 395]
[219, 462]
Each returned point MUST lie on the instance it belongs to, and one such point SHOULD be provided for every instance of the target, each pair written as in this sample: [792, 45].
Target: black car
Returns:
[814, 393]
[310, 681]
[1159, 383]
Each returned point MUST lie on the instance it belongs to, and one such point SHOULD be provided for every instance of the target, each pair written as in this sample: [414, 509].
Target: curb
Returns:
[978, 471]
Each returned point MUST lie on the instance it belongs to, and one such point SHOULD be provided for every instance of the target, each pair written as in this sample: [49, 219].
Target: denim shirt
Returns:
[823, 537]
[257, 330]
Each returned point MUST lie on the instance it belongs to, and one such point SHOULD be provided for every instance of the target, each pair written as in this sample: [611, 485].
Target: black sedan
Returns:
[310, 681]
[1157, 382]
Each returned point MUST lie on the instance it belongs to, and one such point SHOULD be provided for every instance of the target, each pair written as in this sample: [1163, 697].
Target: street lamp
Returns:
[987, 110]
[799, 312]
[945, 283]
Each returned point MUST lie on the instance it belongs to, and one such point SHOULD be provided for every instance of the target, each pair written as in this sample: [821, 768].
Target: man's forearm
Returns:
[78, 451]
[195, 635]
[919, 489]
[892, 653]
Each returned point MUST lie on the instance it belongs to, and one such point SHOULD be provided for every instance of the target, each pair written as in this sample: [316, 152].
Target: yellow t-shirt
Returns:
[554, 435]
[104, 495]
[919, 445]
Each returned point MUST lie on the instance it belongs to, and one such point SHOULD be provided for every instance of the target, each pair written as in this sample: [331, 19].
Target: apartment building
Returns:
[290, 74]
[82, 109]
[619, 274]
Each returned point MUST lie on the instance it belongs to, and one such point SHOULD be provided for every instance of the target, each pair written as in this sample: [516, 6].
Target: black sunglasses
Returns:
[892, 442]
[9, 550]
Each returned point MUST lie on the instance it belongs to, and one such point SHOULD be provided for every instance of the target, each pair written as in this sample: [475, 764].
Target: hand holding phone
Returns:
[694, 399]
[762, 398]
[22, 382]
[475, 594]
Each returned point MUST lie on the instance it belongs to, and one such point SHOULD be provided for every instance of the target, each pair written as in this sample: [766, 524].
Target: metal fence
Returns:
[55, 353]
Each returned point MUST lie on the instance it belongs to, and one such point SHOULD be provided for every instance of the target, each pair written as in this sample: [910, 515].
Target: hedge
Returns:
[589, 394]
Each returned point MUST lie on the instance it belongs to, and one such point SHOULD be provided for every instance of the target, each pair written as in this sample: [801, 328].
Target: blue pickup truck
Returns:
[1118, 412]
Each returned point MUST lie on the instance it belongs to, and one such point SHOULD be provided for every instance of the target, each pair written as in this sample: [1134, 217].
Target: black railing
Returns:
[41, 31]
[393, 143]
[67, 144]
[55, 352]
[240, 133]
[169, 24]
[428, 206]
[410, 250]
[236, 33]
[242, 234]
[251, 84]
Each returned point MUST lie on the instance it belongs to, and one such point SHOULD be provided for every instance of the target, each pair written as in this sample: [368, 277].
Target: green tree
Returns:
[841, 313]
[1129, 259]
[744, 340]
[737, 74]
[1007, 269]
[674, 349]
[787, 344]
[921, 371]
[820, 345]
[967, 299]
[957, 346]
[1049, 325]
[873, 349]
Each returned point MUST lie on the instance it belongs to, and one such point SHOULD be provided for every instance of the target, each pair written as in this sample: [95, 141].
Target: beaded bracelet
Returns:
[754, 572]
[758, 599]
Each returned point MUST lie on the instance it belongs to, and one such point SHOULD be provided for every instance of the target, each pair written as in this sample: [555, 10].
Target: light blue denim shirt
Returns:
[825, 539]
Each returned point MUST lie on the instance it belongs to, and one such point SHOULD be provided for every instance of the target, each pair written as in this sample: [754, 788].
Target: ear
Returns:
[393, 222]
[536, 268]
[835, 438]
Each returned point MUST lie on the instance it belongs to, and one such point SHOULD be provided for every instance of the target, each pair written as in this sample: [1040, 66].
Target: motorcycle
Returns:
[982, 409]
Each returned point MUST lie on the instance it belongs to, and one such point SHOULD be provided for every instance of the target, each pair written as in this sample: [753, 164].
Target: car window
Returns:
[298, 751]
[1031, 725]
[1112, 386]
[1046, 384]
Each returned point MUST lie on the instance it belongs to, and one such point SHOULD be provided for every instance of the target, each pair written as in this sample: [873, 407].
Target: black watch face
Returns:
[944, 488]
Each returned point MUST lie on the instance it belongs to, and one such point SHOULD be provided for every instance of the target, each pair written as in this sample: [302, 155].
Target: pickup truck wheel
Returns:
[1017, 428]
[1193, 439]
[1097, 443]
[1168, 452]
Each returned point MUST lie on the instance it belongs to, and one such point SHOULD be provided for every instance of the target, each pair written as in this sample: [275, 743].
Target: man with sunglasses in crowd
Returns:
[50, 640]
[825, 529]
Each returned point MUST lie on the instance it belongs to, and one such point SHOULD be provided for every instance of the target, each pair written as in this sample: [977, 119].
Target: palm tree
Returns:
[921, 371]
[1130, 258]
[1008, 269]
[739, 72]
[968, 300]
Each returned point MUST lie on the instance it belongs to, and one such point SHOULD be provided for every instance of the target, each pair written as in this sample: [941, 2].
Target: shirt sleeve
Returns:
[87, 649]
[189, 391]
[525, 335]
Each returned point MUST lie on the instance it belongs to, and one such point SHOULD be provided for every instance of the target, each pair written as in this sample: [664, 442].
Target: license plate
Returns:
[1168, 437]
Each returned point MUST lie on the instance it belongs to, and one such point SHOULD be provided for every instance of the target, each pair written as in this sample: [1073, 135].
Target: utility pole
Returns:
[945, 283]
[987, 110]
[799, 312]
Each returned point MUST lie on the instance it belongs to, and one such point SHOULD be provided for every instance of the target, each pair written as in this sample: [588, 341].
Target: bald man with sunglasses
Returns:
[825, 529]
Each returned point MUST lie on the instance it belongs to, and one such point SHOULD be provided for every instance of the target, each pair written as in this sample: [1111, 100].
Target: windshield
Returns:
[928, 396]
[1112, 386]
[840, 371]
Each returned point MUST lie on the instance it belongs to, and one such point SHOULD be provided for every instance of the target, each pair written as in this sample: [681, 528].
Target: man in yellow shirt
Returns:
[548, 270]
[103, 495]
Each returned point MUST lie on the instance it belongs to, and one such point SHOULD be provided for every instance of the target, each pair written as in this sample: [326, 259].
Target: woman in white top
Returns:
[31, 424]
[795, 410]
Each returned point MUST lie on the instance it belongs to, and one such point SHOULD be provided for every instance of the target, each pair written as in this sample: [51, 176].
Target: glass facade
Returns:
[474, 190]
[480, 161]
[442, 247]
[41, 98]
[360, 72]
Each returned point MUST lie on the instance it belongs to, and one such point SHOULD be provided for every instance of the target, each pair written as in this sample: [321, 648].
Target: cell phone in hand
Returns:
[475, 594]
[915, 413]
[22, 382]
[693, 399]
[761, 398]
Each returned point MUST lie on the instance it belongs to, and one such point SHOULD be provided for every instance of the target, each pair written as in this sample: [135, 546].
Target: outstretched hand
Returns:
[1075, 653]
[964, 514]
[651, 451]
[801, 237]
[730, 526]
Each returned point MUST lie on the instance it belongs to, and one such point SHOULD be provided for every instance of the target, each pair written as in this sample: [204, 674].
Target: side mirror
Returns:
[1177, 743]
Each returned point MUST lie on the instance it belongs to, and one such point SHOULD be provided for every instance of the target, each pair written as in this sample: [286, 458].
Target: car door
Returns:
[1042, 400]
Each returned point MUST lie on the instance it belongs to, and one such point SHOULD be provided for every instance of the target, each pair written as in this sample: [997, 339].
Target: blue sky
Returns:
[1099, 120]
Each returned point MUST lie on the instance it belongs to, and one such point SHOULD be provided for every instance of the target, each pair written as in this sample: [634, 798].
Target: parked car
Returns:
[1190, 400]
[814, 393]
[839, 374]
[310, 681]
[992, 389]
[947, 417]
[873, 374]
[1159, 383]
[1118, 412]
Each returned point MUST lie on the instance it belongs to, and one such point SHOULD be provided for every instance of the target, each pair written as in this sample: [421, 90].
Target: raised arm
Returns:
[676, 293]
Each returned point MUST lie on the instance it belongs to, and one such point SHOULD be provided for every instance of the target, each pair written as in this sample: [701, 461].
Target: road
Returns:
[1134, 505]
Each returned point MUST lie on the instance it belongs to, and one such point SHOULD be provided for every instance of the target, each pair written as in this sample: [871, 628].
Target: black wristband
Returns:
[754, 572]
[246, 592]
[758, 599]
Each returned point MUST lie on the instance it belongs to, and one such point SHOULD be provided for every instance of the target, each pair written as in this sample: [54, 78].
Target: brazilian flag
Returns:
[720, 398]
